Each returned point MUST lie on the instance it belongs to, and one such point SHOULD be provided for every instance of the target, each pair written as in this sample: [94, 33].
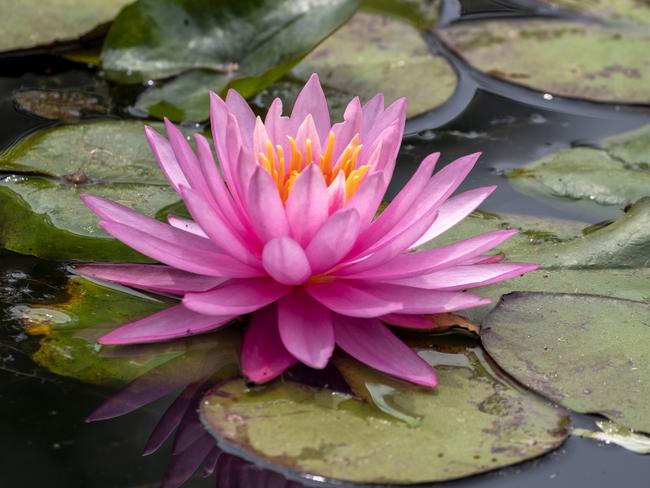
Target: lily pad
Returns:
[617, 174]
[376, 53]
[32, 23]
[485, 422]
[69, 328]
[67, 106]
[608, 10]
[586, 352]
[40, 209]
[568, 58]
[612, 433]
[421, 13]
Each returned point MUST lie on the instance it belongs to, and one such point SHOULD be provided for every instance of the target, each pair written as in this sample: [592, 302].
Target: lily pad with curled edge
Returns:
[376, 53]
[32, 23]
[69, 327]
[40, 209]
[474, 421]
[589, 353]
[568, 58]
[616, 174]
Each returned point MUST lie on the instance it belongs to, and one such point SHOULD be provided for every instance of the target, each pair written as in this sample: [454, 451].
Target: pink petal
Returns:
[307, 206]
[265, 207]
[492, 259]
[417, 300]
[395, 116]
[464, 277]
[307, 130]
[346, 130]
[150, 277]
[408, 321]
[263, 355]
[164, 154]
[277, 126]
[336, 193]
[178, 252]
[437, 190]
[401, 203]
[453, 211]
[372, 343]
[367, 198]
[285, 261]
[186, 225]
[186, 159]
[391, 248]
[333, 240]
[239, 107]
[218, 230]
[371, 110]
[260, 137]
[171, 323]
[350, 299]
[311, 100]
[424, 262]
[306, 329]
[236, 297]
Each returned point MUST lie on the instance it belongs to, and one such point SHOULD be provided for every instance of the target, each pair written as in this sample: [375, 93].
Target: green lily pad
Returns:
[69, 328]
[32, 23]
[245, 45]
[607, 10]
[376, 53]
[567, 58]
[485, 422]
[421, 13]
[617, 174]
[612, 433]
[40, 209]
[587, 352]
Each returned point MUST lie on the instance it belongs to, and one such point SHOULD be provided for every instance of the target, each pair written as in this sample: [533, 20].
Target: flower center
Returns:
[286, 169]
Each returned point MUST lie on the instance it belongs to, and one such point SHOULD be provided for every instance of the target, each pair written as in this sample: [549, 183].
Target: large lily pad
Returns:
[40, 209]
[31, 23]
[420, 13]
[567, 58]
[617, 174]
[247, 45]
[376, 53]
[473, 422]
[587, 352]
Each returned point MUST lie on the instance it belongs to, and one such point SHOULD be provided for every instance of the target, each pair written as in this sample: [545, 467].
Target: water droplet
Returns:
[548, 96]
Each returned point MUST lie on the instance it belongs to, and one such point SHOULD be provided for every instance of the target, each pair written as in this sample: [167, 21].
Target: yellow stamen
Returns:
[296, 156]
[308, 152]
[280, 151]
[326, 158]
[354, 180]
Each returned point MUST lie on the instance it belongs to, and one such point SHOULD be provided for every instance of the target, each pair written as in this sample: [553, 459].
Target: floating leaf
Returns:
[608, 10]
[617, 174]
[587, 352]
[375, 53]
[246, 45]
[420, 13]
[68, 106]
[612, 433]
[567, 58]
[41, 212]
[32, 23]
[485, 423]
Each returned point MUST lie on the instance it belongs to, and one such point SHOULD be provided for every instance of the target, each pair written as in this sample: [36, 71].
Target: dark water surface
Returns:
[44, 441]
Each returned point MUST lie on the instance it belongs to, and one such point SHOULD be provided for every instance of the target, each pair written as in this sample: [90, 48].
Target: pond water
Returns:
[45, 440]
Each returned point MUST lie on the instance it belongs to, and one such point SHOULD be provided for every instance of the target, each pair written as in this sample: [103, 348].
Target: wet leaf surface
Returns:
[40, 209]
[246, 45]
[375, 53]
[393, 432]
[612, 433]
[586, 352]
[567, 58]
[616, 174]
[32, 23]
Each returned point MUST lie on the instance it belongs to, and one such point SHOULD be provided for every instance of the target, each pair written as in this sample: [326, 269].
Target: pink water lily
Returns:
[285, 228]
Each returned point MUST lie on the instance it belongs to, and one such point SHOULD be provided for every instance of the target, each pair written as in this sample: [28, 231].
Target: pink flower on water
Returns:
[287, 231]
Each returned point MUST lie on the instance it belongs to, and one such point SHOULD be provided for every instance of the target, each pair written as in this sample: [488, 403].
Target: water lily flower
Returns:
[285, 228]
